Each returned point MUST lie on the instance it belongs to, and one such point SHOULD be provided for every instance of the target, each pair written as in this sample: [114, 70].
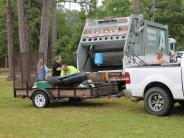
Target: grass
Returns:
[95, 118]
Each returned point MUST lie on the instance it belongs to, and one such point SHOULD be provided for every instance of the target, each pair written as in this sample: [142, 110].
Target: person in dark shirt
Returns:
[56, 71]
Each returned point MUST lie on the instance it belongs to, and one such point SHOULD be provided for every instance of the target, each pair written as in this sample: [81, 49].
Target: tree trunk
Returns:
[24, 44]
[53, 29]
[10, 37]
[137, 7]
[23, 27]
[44, 31]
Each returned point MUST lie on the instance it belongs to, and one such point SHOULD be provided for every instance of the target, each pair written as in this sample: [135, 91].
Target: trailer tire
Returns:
[158, 102]
[40, 99]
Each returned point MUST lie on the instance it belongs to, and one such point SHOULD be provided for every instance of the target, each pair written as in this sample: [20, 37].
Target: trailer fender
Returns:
[46, 91]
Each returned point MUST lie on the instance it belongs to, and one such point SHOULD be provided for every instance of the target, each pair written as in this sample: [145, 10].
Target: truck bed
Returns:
[141, 76]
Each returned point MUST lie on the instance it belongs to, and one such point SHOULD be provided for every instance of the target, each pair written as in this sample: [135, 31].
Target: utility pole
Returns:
[137, 7]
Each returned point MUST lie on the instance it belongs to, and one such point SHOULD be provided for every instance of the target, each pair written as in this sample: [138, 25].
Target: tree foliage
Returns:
[70, 25]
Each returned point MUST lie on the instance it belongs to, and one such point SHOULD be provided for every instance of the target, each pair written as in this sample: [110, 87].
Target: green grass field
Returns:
[95, 118]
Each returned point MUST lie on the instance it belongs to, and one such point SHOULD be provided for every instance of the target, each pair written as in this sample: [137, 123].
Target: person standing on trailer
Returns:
[56, 71]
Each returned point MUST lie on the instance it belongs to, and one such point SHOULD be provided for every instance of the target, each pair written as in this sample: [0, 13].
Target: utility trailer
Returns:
[132, 36]
[76, 87]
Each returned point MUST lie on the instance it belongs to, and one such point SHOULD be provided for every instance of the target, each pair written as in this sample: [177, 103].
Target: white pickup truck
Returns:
[160, 86]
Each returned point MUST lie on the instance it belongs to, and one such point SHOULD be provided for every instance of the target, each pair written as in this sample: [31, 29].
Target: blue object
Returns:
[41, 72]
[99, 58]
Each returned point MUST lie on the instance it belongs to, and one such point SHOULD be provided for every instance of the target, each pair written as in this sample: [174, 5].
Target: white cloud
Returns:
[75, 6]
[99, 2]
[71, 6]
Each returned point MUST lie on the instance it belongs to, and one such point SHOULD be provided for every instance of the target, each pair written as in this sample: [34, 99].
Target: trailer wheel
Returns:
[158, 102]
[40, 99]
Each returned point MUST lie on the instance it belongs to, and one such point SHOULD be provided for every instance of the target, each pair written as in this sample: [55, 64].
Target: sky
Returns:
[100, 2]
[74, 6]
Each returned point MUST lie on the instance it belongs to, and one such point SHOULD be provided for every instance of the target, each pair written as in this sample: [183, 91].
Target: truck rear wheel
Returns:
[40, 99]
[158, 102]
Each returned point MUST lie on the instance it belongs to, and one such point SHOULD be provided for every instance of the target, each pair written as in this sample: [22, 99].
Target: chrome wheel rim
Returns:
[40, 100]
[156, 102]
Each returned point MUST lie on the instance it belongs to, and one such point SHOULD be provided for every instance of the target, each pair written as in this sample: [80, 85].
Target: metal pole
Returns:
[137, 7]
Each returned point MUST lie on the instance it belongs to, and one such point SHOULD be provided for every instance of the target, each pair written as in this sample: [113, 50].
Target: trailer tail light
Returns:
[127, 78]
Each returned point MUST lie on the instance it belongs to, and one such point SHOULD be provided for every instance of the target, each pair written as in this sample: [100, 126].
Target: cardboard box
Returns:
[96, 76]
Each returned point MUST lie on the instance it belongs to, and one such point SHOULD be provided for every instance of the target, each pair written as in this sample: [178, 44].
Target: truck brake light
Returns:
[127, 78]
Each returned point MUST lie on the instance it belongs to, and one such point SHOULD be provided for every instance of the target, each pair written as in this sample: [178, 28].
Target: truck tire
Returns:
[40, 99]
[158, 102]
